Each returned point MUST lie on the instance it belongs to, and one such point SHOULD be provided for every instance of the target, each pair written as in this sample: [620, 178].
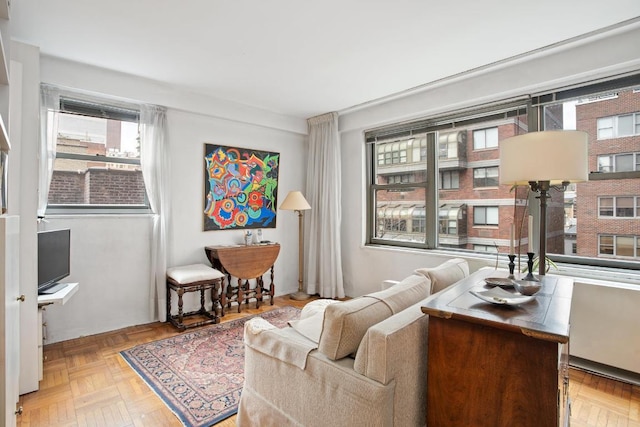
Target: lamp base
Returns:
[299, 296]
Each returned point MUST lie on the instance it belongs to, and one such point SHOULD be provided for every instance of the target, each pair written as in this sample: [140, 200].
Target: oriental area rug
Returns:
[199, 374]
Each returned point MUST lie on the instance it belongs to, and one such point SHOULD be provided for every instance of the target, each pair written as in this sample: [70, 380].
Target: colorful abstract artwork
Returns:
[241, 188]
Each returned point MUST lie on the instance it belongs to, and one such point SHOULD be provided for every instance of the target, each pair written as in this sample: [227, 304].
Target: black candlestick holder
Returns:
[530, 275]
[512, 265]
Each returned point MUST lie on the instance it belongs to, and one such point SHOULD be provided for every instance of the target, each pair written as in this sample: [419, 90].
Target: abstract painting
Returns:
[241, 188]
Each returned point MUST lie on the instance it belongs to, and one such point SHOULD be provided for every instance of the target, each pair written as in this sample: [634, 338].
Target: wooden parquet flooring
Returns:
[87, 383]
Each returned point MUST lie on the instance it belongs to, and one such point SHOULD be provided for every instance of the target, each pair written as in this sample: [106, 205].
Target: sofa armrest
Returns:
[395, 351]
[401, 337]
[284, 344]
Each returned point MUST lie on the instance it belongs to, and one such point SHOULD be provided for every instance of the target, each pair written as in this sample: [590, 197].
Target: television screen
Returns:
[53, 257]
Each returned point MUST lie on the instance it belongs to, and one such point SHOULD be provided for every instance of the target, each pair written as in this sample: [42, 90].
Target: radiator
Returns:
[605, 324]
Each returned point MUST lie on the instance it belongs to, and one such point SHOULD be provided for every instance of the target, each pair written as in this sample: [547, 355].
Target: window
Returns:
[626, 162]
[392, 153]
[619, 126]
[619, 207]
[485, 215]
[620, 246]
[454, 167]
[449, 180]
[448, 145]
[485, 138]
[485, 177]
[485, 248]
[97, 160]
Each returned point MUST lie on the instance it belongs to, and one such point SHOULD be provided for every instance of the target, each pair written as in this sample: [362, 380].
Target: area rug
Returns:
[199, 374]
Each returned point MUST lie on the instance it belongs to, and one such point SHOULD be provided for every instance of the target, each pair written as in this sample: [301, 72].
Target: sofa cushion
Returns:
[446, 274]
[311, 317]
[345, 323]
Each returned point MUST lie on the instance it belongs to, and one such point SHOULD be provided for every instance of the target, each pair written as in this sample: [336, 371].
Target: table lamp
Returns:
[544, 160]
[295, 201]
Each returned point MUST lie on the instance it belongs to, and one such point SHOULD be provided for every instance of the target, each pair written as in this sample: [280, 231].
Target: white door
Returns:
[9, 317]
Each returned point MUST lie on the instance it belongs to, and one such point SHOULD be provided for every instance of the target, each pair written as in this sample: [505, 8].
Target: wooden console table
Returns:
[496, 365]
[245, 262]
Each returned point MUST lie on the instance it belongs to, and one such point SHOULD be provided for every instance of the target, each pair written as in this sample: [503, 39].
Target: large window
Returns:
[462, 168]
[97, 158]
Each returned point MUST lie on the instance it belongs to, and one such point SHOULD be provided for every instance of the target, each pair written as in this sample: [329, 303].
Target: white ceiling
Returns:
[303, 58]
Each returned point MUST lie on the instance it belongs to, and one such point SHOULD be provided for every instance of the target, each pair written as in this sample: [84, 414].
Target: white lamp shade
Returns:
[295, 201]
[554, 156]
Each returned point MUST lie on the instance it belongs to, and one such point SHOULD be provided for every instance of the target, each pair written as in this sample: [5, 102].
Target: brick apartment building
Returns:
[608, 206]
[598, 218]
[475, 211]
[80, 180]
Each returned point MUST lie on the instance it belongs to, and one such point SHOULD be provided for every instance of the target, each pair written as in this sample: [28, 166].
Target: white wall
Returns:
[110, 254]
[601, 55]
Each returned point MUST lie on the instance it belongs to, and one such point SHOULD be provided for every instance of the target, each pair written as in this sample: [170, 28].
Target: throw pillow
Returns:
[445, 274]
[346, 323]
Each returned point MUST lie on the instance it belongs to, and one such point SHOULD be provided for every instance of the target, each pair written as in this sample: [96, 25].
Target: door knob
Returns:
[21, 298]
[18, 410]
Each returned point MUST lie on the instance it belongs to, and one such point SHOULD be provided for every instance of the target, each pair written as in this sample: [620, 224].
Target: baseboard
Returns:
[605, 370]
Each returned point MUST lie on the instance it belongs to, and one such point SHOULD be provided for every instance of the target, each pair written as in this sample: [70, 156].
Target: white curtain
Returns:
[49, 106]
[324, 259]
[153, 158]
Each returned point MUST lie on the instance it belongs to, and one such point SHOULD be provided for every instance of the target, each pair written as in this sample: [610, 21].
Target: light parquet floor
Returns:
[87, 383]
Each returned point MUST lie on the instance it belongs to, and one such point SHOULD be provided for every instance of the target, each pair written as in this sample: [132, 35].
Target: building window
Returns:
[399, 179]
[485, 215]
[619, 126]
[485, 248]
[619, 206]
[392, 153]
[418, 220]
[448, 145]
[97, 159]
[449, 180]
[621, 246]
[485, 138]
[419, 149]
[485, 177]
[626, 162]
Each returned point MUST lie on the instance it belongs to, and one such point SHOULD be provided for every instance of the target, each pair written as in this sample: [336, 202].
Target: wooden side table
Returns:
[245, 262]
[496, 365]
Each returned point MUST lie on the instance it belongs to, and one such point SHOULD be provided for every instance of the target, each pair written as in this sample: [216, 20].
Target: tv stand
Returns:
[60, 296]
[53, 289]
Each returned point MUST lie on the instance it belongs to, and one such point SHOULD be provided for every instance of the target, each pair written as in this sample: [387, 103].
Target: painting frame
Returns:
[240, 188]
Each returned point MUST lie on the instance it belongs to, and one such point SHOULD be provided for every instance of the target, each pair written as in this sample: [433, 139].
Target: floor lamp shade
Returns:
[554, 156]
[543, 160]
[295, 201]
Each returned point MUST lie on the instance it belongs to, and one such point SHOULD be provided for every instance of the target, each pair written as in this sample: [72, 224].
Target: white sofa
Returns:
[360, 362]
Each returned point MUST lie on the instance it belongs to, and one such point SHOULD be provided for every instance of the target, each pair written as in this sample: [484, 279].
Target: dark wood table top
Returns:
[244, 261]
[545, 317]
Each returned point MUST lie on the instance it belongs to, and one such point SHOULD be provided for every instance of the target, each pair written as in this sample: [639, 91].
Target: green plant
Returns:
[536, 263]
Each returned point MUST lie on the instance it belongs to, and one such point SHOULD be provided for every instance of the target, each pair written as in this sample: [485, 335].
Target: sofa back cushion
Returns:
[345, 323]
[446, 274]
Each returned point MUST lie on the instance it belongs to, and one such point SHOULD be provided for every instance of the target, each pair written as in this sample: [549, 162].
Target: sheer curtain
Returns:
[324, 257]
[153, 158]
[49, 106]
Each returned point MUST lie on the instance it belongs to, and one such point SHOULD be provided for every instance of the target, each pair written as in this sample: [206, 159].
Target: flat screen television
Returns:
[54, 259]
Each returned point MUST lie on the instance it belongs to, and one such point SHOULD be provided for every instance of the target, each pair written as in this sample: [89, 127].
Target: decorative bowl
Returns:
[527, 287]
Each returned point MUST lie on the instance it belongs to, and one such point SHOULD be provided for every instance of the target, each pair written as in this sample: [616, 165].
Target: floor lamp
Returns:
[544, 160]
[295, 201]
